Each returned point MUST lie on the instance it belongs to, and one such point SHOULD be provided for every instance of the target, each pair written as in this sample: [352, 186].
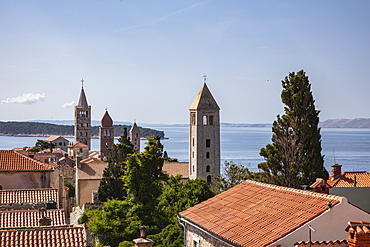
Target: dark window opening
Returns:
[207, 155]
[208, 143]
[210, 120]
[208, 169]
[209, 179]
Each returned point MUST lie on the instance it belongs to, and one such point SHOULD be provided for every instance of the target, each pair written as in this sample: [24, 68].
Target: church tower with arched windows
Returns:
[135, 137]
[82, 120]
[106, 135]
[204, 134]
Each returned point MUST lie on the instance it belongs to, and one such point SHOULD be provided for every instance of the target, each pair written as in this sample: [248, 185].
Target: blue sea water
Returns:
[347, 147]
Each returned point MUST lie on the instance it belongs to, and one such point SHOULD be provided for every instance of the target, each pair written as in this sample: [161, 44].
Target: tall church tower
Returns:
[82, 120]
[135, 137]
[204, 136]
[106, 135]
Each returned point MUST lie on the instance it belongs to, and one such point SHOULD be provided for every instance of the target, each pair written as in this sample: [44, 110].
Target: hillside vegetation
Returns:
[47, 129]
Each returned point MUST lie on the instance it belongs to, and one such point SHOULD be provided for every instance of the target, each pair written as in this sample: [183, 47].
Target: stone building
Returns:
[106, 135]
[204, 136]
[135, 137]
[82, 120]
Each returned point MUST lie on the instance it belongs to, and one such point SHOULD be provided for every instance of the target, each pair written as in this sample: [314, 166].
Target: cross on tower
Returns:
[205, 78]
[82, 80]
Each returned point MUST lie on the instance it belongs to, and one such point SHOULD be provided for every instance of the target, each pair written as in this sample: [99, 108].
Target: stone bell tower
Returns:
[106, 135]
[204, 136]
[82, 120]
[135, 137]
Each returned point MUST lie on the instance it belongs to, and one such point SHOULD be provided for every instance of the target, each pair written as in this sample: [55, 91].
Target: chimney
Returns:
[358, 233]
[336, 171]
[44, 221]
[143, 241]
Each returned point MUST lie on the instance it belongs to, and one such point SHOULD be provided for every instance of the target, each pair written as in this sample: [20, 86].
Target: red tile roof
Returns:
[337, 243]
[347, 180]
[46, 236]
[78, 145]
[28, 195]
[258, 214]
[11, 160]
[30, 218]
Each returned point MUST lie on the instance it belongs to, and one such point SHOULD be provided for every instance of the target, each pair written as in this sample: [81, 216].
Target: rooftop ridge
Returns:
[34, 160]
[302, 192]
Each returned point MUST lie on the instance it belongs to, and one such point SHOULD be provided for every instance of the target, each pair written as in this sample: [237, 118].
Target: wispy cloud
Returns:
[162, 18]
[68, 105]
[25, 99]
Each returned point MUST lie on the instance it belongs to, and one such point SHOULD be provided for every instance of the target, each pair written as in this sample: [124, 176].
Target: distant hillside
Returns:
[47, 129]
[346, 123]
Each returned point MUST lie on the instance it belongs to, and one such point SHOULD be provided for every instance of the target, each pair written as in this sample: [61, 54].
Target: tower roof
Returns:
[134, 128]
[106, 120]
[82, 101]
[204, 100]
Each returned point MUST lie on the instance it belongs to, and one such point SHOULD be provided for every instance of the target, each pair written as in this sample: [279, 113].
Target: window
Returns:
[208, 143]
[204, 120]
[192, 118]
[193, 141]
[210, 120]
[208, 169]
[207, 155]
[209, 179]
[323, 188]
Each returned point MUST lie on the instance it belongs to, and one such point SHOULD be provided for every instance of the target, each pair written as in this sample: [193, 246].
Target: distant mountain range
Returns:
[346, 123]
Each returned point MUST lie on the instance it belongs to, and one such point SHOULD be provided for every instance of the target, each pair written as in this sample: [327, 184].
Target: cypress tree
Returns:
[294, 158]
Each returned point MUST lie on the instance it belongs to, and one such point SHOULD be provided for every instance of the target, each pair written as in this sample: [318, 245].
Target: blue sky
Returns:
[145, 60]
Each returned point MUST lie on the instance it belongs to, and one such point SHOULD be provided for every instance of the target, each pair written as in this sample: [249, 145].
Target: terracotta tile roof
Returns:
[46, 236]
[176, 168]
[319, 182]
[11, 160]
[336, 243]
[359, 227]
[347, 180]
[78, 145]
[91, 168]
[258, 214]
[30, 218]
[28, 195]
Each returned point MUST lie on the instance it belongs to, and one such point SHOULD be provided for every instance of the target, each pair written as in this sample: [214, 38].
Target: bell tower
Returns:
[135, 137]
[106, 135]
[204, 136]
[82, 120]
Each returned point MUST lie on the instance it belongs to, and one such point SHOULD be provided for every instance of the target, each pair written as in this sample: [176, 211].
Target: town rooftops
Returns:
[257, 214]
[11, 160]
[30, 218]
[351, 179]
[43, 236]
[77, 145]
[28, 195]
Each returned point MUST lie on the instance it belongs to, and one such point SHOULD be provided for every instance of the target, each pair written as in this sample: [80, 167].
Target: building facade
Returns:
[204, 136]
[135, 137]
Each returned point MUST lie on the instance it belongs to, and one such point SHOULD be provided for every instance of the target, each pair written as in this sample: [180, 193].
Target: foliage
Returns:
[111, 185]
[233, 174]
[42, 145]
[294, 158]
[115, 222]
[166, 158]
[171, 236]
[143, 175]
[72, 190]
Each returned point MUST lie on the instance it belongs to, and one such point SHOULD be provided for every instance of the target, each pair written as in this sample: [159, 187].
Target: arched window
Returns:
[209, 179]
[208, 168]
[207, 155]
[204, 120]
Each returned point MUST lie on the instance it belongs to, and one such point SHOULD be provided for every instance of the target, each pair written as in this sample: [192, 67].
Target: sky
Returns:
[144, 61]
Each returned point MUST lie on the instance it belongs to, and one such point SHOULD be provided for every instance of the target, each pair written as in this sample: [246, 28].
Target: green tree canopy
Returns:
[294, 158]
[111, 185]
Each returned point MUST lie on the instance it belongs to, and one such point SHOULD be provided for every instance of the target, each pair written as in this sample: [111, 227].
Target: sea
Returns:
[241, 145]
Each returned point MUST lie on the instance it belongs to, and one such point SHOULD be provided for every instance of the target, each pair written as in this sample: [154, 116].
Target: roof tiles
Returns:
[347, 179]
[28, 195]
[11, 160]
[46, 236]
[258, 214]
[30, 218]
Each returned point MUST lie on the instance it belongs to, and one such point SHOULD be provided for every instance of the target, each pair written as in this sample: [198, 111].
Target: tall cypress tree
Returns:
[111, 185]
[294, 158]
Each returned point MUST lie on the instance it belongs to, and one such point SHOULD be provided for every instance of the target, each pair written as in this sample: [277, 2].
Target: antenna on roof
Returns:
[335, 162]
